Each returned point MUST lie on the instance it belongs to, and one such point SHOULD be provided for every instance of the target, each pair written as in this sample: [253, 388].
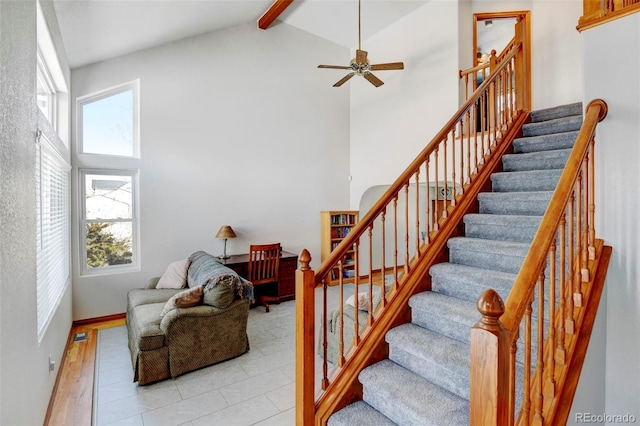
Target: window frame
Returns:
[134, 266]
[134, 86]
[51, 282]
[46, 81]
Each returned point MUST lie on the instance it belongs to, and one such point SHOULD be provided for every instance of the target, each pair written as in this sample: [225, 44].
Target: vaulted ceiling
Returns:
[95, 30]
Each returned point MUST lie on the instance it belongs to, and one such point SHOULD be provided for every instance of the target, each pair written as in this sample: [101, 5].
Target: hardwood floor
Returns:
[71, 401]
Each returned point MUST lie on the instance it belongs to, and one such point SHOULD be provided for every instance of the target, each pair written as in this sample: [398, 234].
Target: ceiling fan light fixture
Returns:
[361, 66]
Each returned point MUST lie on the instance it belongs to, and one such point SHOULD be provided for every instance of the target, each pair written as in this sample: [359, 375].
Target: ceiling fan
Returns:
[360, 64]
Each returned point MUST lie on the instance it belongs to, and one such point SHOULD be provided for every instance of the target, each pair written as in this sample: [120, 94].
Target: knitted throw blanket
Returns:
[207, 271]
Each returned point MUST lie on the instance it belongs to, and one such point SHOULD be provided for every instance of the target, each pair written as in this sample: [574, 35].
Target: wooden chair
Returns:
[263, 268]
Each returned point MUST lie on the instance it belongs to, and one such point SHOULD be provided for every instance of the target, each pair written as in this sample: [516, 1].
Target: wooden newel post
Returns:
[305, 331]
[489, 393]
[520, 73]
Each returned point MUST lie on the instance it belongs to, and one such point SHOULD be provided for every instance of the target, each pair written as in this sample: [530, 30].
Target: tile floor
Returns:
[257, 388]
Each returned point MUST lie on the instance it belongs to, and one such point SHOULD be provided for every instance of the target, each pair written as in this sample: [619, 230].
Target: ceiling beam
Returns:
[272, 13]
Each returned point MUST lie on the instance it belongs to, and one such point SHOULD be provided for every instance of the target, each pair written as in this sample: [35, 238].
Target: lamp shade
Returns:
[225, 231]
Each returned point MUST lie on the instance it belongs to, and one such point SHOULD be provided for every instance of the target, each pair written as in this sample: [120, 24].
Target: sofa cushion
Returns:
[363, 301]
[138, 296]
[146, 325]
[184, 299]
[175, 276]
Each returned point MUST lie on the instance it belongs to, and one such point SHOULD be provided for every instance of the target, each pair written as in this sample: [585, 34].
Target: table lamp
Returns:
[225, 232]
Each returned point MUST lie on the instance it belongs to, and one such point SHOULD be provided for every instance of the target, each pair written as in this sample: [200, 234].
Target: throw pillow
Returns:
[184, 299]
[220, 295]
[363, 301]
[175, 276]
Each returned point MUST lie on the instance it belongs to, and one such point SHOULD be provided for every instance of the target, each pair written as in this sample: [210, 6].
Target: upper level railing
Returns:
[598, 12]
[522, 350]
[397, 240]
[472, 78]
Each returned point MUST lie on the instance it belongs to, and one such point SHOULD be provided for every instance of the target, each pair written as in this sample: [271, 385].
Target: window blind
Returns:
[52, 215]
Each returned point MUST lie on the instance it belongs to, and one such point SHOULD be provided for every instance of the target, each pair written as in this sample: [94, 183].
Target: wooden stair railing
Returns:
[598, 12]
[564, 270]
[398, 239]
[469, 77]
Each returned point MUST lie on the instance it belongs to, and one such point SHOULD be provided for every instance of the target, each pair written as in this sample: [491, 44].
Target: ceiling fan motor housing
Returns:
[360, 68]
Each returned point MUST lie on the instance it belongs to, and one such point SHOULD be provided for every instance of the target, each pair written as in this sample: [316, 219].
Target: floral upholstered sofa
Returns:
[193, 316]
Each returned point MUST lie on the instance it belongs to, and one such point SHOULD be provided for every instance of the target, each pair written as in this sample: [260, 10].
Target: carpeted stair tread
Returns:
[549, 142]
[453, 318]
[506, 256]
[449, 316]
[540, 160]
[551, 113]
[514, 203]
[468, 282]
[441, 360]
[558, 125]
[520, 228]
[359, 414]
[525, 181]
[408, 399]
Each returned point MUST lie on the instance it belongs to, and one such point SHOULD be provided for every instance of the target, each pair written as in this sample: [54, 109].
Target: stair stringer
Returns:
[344, 387]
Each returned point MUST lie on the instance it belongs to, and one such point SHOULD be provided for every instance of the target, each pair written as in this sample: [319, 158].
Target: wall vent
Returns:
[80, 337]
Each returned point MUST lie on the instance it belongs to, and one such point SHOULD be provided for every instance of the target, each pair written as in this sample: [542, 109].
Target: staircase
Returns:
[425, 380]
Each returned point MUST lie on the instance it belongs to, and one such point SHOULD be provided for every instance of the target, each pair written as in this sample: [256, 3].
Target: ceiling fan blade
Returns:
[344, 79]
[335, 67]
[373, 79]
[389, 66]
[361, 57]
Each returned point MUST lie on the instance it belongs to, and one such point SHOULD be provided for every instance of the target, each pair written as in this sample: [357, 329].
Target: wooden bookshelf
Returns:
[335, 226]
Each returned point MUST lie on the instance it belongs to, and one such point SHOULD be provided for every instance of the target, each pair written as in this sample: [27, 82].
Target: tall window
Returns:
[108, 122]
[52, 230]
[108, 131]
[52, 93]
[108, 223]
[46, 94]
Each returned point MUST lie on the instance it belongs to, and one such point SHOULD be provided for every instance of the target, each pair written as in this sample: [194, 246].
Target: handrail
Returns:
[596, 111]
[479, 67]
[398, 238]
[484, 69]
[558, 272]
[597, 12]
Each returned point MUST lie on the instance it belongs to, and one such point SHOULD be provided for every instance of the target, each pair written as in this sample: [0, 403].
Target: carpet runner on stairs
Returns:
[425, 381]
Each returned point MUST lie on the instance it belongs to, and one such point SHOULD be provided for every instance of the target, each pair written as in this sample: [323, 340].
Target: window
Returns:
[46, 94]
[52, 230]
[52, 95]
[108, 223]
[108, 122]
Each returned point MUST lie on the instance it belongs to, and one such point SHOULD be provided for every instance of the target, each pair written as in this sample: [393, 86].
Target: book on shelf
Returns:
[349, 273]
[340, 232]
[343, 219]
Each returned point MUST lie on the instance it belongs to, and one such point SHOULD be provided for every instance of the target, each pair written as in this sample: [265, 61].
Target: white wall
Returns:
[555, 58]
[391, 124]
[611, 62]
[238, 127]
[25, 380]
